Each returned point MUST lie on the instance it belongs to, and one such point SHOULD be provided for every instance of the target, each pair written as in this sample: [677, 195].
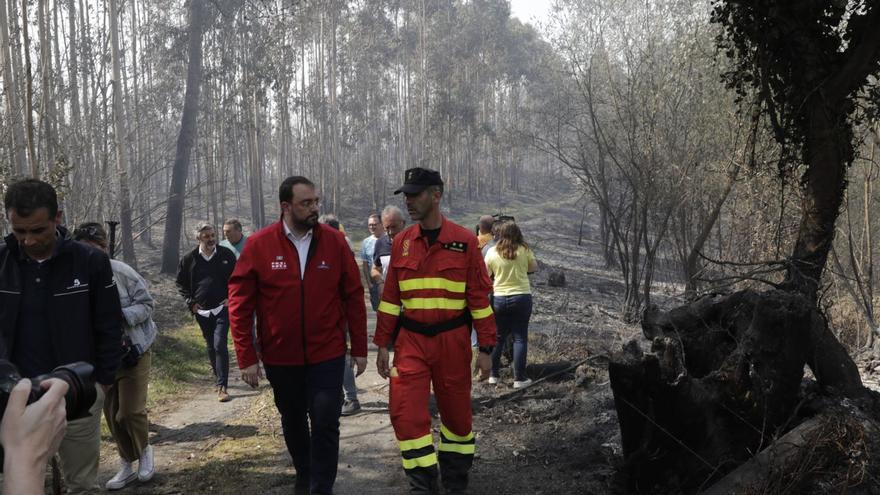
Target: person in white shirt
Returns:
[202, 279]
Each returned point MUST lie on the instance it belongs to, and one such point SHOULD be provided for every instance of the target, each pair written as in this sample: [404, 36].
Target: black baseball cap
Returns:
[415, 180]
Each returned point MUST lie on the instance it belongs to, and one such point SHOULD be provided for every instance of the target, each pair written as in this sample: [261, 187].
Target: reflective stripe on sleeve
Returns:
[479, 314]
[434, 303]
[432, 283]
[388, 308]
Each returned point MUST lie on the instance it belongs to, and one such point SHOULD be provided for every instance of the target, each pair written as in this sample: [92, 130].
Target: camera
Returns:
[81, 393]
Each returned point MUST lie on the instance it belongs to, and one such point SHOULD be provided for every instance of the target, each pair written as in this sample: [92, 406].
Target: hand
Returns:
[252, 374]
[382, 362]
[361, 363]
[484, 364]
[195, 308]
[31, 434]
[225, 302]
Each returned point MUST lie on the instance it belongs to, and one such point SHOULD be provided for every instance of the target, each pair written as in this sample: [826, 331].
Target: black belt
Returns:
[431, 329]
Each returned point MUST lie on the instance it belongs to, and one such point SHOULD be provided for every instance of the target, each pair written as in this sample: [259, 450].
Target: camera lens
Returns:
[81, 393]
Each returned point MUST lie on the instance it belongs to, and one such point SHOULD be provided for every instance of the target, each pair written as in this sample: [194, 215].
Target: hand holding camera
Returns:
[31, 433]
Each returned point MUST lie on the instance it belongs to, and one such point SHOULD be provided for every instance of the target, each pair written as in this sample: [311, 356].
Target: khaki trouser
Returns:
[125, 408]
[81, 449]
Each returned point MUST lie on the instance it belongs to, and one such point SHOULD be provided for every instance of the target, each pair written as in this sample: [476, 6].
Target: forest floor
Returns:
[559, 436]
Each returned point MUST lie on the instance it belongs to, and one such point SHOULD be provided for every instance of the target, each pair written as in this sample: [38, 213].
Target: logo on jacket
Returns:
[279, 263]
[458, 247]
[323, 265]
[405, 247]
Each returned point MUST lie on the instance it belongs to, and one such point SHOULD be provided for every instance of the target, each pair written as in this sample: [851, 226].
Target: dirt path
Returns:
[189, 439]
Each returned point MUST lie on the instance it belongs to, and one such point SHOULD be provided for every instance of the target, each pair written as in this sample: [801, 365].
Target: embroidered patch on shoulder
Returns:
[457, 246]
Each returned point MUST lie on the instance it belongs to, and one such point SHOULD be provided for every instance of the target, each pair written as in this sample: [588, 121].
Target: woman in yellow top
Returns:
[509, 262]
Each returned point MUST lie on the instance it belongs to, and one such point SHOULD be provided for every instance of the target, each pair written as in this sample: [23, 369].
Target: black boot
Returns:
[423, 480]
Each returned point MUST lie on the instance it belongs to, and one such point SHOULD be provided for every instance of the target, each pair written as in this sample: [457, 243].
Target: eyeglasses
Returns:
[90, 233]
[310, 203]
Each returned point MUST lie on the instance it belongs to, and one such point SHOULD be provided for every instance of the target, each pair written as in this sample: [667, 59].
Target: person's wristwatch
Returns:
[487, 349]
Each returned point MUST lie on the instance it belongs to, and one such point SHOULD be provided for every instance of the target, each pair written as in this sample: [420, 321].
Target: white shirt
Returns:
[207, 257]
[302, 246]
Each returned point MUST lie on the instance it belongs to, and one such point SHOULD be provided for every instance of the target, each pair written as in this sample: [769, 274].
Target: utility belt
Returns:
[431, 329]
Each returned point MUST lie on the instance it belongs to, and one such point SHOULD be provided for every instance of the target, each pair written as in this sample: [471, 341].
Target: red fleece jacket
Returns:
[300, 320]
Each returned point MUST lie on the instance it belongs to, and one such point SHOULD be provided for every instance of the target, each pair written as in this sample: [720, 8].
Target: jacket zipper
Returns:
[302, 294]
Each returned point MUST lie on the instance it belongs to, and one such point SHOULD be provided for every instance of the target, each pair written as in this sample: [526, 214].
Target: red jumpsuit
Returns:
[431, 285]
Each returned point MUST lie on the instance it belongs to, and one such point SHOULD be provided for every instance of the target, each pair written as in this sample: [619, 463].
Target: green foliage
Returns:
[785, 56]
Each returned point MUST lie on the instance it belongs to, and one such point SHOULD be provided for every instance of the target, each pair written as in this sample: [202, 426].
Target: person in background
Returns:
[509, 262]
[368, 247]
[393, 223]
[350, 405]
[125, 406]
[233, 236]
[485, 230]
[496, 228]
[202, 279]
[303, 282]
[30, 435]
[58, 305]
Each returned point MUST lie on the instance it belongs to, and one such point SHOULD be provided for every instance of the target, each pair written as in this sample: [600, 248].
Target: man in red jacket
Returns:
[436, 286]
[300, 279]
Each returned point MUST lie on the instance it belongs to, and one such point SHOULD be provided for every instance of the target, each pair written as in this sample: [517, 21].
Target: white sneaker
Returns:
[493, 380]
[146, 468]
[523, 384]
[125, 476]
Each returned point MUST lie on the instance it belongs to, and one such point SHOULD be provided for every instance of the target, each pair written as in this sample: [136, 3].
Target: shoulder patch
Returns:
[457, 246]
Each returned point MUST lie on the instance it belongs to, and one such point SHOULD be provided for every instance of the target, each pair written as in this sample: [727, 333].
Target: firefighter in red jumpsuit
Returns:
[435, 288]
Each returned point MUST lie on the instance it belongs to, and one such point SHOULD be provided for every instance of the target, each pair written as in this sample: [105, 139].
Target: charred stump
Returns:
[721, 381]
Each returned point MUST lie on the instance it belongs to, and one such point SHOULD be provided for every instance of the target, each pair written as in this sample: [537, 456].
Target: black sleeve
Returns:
[106, 324]
[182, 281]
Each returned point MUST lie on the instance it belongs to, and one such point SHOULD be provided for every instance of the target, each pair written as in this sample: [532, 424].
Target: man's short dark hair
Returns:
[28, 195]
[234, 222]
[285, 192]
[436, 187]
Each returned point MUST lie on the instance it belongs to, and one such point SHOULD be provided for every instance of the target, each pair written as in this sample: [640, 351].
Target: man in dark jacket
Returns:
[303, 283]
[202, 279]
[58, 305]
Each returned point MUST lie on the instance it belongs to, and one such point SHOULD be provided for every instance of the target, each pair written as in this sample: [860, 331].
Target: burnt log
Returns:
[722, 380]
[556, 279]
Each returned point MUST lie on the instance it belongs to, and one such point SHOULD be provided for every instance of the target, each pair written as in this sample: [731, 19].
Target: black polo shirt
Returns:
[34, 353]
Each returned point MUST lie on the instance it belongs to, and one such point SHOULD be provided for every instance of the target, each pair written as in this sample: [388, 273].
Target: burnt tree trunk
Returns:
[721, 380]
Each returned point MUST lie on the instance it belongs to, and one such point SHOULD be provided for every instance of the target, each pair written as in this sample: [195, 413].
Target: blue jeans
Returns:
[215, 330]
[374, 296]
[512, 315]
[305, 395]
[349, 388]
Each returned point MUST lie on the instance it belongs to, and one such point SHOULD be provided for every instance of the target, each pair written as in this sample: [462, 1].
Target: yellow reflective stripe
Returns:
[432, 283]
[424, 461]
[466, 448]
[433, 303]
[478, 314]
[453, 437]
[388, 308]
[417, 443]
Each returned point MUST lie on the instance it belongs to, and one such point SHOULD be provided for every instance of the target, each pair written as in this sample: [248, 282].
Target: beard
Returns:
[306, 223]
